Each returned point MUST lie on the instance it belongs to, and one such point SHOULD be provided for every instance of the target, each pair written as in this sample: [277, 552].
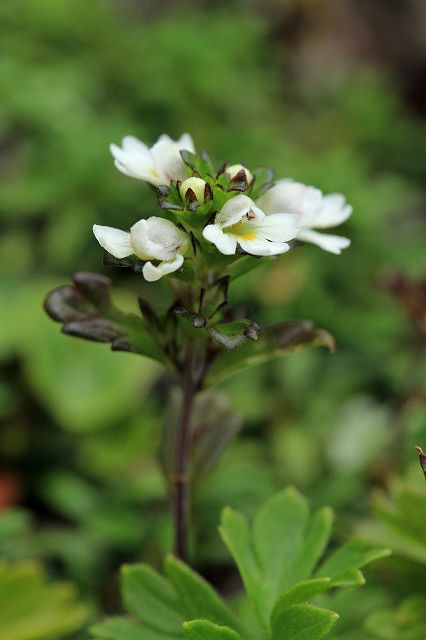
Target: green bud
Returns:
[234, 169]
[196, 186]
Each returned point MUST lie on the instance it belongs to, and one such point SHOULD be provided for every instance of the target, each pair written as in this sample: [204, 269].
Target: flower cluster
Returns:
[235, 210]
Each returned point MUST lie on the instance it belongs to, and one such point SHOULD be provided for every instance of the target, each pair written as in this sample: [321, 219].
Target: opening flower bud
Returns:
[239, 172]
[193, 188]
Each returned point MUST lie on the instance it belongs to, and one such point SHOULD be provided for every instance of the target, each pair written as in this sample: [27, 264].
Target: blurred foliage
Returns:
[80, 484]
[32, 609]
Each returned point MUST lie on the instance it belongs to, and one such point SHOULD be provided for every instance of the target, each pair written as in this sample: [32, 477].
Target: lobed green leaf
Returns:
[204, 630]
[151, 598]
[342, 567]
[302, 622]
[197, 598]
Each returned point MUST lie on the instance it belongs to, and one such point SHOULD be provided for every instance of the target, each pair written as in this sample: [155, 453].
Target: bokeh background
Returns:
[328, 92]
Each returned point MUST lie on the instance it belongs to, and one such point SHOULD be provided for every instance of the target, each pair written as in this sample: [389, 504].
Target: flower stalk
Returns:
[180, 481]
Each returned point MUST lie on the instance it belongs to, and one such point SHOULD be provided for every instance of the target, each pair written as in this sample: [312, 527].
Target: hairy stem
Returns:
[180, 477]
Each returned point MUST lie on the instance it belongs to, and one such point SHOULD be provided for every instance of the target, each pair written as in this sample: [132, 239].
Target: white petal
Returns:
[334, 211]
[146, 176]
[157, 238]
[333, 244]
[278, 227]
[115, 241]
[234, 209]
[153, 273]
[262, 247]
[167, 159]
[134, 160]
[186, 143]
[225, 242]
[288, 196]
[134, 145]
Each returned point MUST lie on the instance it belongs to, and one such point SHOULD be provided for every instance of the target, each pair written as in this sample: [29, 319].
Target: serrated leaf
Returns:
[124, 629]
[302, 622]
[235, 533]
[86, 311]
[151, 598]
[342, 567]
[204, 630]
[197, 598]
[276, 340]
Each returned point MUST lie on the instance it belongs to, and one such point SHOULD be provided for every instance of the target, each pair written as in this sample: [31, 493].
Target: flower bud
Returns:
[235, 172]
[195, 187]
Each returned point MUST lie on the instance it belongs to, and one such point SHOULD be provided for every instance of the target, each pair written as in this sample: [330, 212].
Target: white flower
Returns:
[314, 211]
[160, 164]
[151, 239]
[241, 222]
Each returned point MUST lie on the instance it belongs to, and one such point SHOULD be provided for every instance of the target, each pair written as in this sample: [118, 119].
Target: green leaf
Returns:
[198, 599]
[301, 592]
[315, 543]
[86, 311]
[400, 521]
[276, 340]
[235, 533]
[124, 629]
[278, 536]
[342, 567]
[204, 630]
[33, 609]
[302, 622]
[277, 556]
[152, 599]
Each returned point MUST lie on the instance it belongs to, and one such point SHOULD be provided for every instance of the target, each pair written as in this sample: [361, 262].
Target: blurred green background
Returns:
[325, 93]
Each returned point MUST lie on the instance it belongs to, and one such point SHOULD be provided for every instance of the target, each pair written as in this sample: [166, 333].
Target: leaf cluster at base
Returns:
[279, 562]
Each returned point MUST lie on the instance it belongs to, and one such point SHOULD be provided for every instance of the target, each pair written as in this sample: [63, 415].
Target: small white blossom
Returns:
[241, 222]
[314, 211]
[197, 186]
[234, 169]
[150, 239]
[157, 165]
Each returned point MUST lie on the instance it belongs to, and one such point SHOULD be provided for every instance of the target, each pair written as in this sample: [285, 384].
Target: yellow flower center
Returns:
[242, 230]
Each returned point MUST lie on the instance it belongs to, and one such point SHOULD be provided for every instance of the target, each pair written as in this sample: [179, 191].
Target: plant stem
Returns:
[180, 479]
